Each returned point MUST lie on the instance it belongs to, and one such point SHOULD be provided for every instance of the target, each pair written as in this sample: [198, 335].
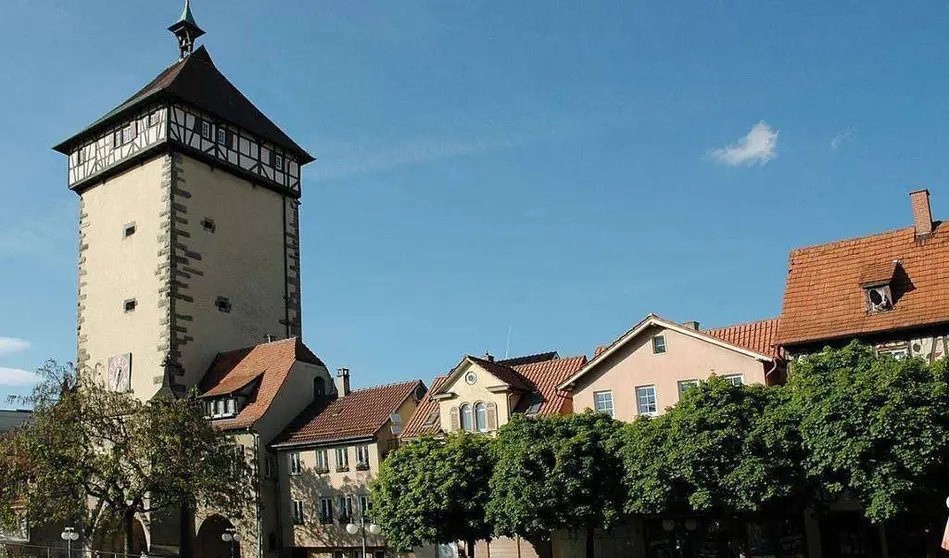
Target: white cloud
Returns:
[10, 345]
[14, 377]
[758, 147]
[846, 136]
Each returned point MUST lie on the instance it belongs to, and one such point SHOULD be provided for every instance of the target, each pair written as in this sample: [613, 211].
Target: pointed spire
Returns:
[186, 30]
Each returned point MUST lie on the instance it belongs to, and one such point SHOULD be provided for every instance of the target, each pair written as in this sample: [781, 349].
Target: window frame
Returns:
[655, 400]
[342, 464]
[344, 505]
[659, 346]
[480, 416]
[360, 463]
[596, 403]
[730, 378]
[466, 408]
[207, 127]
[297, 515]
[326, 510]
[690, 383]
[322, 460]
[279, 162]
[294, 464]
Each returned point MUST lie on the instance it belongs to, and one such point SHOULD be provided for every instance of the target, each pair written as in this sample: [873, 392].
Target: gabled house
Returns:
[481, 394]
[889, 289]
[326, 458]
[253, 393]
[648, 368]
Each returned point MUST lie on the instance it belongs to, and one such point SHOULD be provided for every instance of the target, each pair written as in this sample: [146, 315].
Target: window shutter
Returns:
[455, 419]
[492, 416]
[134, 129]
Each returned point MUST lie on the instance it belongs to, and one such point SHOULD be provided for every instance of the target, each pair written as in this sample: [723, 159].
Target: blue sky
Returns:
[552, 169]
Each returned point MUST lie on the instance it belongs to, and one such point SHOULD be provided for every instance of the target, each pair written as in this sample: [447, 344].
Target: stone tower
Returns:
[188, 227]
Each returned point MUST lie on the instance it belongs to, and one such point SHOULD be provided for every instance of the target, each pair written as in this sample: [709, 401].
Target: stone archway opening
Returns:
[209, 543]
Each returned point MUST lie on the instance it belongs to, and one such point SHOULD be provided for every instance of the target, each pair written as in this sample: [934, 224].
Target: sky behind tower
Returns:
[552, 170]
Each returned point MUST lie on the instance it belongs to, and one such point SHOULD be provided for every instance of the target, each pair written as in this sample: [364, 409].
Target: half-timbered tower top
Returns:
[192, 108]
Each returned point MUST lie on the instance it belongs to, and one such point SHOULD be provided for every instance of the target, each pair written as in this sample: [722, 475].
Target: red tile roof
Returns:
[416, 426]
[270, 363]
[755, 336]
[538, 376]
[358, 415]
[824, 299]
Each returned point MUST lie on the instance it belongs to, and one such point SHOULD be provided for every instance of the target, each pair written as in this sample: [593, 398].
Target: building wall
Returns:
[686, 358]
[472, 394]
[295, 395]
[114, 268]
[241, 259]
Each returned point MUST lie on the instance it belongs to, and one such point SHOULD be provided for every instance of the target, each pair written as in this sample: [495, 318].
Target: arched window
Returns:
[481, 417]
[466, 418]
[319, 386]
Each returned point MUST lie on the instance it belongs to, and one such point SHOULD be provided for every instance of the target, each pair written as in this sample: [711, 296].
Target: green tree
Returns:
[875, 426]
[557, 472]
[434, 490]
[97, 458]
[723, 450]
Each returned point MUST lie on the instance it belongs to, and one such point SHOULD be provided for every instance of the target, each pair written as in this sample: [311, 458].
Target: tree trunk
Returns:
[128, 523]
[591, 541]
[471, 547]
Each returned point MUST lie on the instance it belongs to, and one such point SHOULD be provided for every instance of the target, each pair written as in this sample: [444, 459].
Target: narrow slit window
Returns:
[208, 225]
[278, 162]
[223, 304]
[206, 130]
[130, 305]
[128, 230]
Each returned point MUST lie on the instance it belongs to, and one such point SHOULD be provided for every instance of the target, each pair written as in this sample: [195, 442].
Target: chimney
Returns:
[488, 357]
[342, 381]
[922, 215]
[691, 324]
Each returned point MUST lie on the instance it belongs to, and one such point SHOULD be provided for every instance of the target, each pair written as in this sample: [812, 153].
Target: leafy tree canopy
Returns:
[96, 458]
[434, 490]
[556, 472]
[876, 426]
[723, 449]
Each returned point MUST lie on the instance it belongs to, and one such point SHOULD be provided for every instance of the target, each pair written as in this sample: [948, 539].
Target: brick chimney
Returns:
[691, 324]
[922, 215]
[488, 357]
[342, 381]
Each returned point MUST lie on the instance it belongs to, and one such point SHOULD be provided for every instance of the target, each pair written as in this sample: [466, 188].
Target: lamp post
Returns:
[231, 535]
[69, 535]
[352, 529]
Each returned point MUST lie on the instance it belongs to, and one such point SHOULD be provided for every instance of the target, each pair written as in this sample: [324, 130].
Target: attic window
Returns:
[431, 419]
[876, 280]
[879, 298]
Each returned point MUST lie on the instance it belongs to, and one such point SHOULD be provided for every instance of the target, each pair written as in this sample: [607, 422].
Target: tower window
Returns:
[117, 138]
[130, 305]
[223, 304]
[128, 230]
[79, 157]
[278, 162]
[206, 130]
[208, 225]
[658, 344]
[128, 133]
[151, 119]
[222, 136]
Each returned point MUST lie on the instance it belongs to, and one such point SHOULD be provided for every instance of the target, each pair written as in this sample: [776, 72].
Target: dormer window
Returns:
[876, 281]
[879, 298]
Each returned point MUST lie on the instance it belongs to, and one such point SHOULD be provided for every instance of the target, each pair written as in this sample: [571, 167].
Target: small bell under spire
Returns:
[186, 30]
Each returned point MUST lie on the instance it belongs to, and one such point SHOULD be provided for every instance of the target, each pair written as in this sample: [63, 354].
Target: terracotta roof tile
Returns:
[357, 415]
[503, 372]
[268, 363]
[755, 336]
[416, 426]
[823, 298]
[539, 357]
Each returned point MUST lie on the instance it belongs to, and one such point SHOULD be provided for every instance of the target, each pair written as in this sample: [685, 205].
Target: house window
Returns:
[898, 354]
[342, 459]
[879, 298]
[231, 406]
[326, 511]
[646, 400]
[481, 417]
[296, 511]
[344, 506]
[362, 458]
[223, 304]
[206, 130]
[222, 136]
[603, 402]
[295, 463]
[208, 225]
[659, 344]
[278, 162]
[130, 305]
[319, 386]
[128, 230]
[431, 419]
[117, 138]
[79, 157]
[151, 119]
[322, 461]
[364, 506]
[128, 133]
[686, 385]
[270, 467]
[466, 422]
[735, 379]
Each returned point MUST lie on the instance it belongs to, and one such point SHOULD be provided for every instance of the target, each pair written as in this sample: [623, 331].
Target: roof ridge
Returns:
[844, 241]
[381, 386]
[740, 324]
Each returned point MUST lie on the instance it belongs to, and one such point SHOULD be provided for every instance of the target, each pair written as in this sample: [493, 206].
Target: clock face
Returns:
[119, 372]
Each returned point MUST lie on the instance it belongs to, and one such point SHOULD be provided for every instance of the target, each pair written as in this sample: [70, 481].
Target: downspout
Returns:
[260, 546]
[774, 366]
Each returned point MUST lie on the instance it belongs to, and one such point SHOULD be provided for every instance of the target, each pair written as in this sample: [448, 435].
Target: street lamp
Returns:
[352, 529]
[69, 535]
[231, 536]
